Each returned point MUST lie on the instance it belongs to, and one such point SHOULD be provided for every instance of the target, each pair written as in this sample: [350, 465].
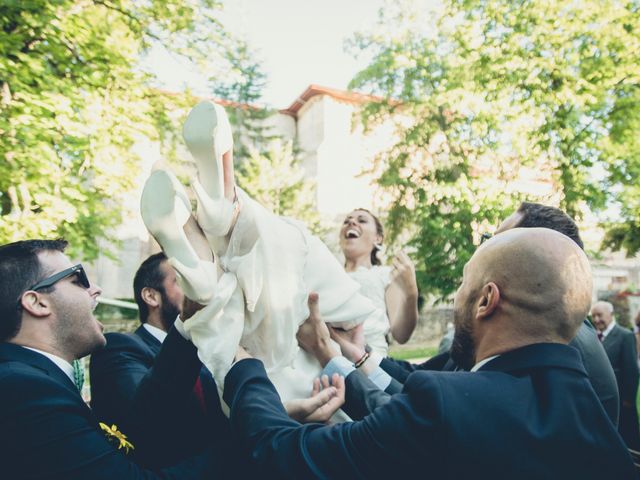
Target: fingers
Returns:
[325, 381]
[338, 382]
[316, 387]
[335, 334]
[323, 404]
[313, 302]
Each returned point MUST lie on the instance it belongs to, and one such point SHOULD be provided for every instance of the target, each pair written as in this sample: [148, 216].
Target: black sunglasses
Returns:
[77, 270]
[484, 237]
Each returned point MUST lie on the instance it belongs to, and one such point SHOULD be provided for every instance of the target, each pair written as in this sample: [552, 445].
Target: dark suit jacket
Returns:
[147, 388]
[593, 356]
[48, 432]
[620, 345]
[530, 413]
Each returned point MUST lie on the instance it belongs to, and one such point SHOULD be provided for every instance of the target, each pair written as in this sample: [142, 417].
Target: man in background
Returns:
[620, 345]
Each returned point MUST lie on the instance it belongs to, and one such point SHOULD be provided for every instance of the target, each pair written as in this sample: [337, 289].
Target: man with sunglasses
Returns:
[46, 322]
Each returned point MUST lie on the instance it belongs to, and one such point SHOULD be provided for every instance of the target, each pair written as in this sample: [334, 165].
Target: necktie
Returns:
[199, 392]
[600, 336]
[78, 374]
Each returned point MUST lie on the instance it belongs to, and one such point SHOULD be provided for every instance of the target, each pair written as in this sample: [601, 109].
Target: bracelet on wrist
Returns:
[363, 359]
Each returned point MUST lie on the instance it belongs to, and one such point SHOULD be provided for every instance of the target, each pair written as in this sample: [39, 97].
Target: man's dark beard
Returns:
[463, 351]
[168, 312]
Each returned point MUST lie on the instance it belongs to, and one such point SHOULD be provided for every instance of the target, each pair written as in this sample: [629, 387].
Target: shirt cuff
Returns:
[339, 365]
[374, 359]
[179, 326]
[381, 378]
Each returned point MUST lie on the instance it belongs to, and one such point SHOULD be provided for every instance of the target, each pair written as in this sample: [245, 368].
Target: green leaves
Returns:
[74, 102]
[275, 179]
[500, 101]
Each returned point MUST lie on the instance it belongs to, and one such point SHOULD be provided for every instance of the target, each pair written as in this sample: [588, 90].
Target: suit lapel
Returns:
[610, 342]
[15, 353]
[152, 342]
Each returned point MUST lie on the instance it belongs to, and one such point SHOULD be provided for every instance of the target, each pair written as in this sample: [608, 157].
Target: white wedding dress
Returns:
[269, 265]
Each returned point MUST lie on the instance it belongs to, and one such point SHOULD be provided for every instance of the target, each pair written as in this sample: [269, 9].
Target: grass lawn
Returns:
[404, 353]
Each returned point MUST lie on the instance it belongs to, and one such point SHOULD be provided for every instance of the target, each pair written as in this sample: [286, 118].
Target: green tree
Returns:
[275, 179]
[74, 101]
[242, 87]
[495, 101]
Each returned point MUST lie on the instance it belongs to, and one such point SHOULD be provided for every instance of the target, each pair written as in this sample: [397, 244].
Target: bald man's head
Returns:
[540, 282]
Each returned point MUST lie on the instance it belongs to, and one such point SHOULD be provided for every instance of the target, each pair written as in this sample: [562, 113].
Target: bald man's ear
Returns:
[489, 300]
[35, 304]
[150, 296]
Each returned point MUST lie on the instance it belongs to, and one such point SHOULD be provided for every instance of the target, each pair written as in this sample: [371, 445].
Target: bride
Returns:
[255, 279]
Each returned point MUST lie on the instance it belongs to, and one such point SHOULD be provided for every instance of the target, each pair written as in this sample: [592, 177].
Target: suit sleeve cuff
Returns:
[381, 378]
[339, 365]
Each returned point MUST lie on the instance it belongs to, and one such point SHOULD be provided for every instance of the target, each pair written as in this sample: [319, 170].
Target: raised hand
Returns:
[403, 274]
[313, 335]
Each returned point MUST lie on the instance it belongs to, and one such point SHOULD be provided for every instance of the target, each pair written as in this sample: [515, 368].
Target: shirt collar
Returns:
[482, 363]
[607, 330]
[61, 363]
[160, 335]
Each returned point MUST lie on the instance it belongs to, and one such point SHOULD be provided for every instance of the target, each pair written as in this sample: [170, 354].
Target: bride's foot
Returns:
[215, 217]
[165, 209]
[207, 134]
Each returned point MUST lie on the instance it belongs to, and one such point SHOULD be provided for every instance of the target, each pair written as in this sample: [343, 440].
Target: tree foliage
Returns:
[242, 87]
[74, 102]
[275, 179]
[494, 102]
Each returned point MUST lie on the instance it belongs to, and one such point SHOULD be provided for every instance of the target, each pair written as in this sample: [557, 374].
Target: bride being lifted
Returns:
[256, 279]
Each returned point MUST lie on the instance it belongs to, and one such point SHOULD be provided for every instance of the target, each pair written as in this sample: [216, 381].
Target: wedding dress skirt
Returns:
[261, 299]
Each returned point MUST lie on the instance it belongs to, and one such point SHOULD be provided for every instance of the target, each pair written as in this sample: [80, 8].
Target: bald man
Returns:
[620, 345]
[524, 410]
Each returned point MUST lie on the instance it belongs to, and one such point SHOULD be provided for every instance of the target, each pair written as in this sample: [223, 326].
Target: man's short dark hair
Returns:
[535, 215]
[20, 268]
[148, 275]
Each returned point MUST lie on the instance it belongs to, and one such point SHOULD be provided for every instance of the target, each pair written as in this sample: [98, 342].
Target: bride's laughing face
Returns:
[358, 234]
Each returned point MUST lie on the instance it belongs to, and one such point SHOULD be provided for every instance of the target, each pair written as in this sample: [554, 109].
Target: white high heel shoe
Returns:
[165, 208]
[207, 133]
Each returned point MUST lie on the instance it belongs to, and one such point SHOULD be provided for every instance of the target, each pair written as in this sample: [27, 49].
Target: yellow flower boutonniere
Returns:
[113, 433]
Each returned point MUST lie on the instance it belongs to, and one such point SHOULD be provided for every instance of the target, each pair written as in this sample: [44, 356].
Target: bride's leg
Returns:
[207, 133]
[165, 210]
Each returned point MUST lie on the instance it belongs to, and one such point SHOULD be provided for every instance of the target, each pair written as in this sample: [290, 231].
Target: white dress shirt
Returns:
[61, 363]
[607, 330]
[160, 335]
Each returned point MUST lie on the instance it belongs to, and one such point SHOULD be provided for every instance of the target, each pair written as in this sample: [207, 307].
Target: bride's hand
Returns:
[403, 274]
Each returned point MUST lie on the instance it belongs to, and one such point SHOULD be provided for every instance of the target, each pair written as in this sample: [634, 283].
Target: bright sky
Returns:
[300, 42]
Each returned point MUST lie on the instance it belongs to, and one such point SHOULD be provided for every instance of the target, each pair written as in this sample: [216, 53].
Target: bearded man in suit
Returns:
[124, 390]
[597, 365]
[525, 409]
